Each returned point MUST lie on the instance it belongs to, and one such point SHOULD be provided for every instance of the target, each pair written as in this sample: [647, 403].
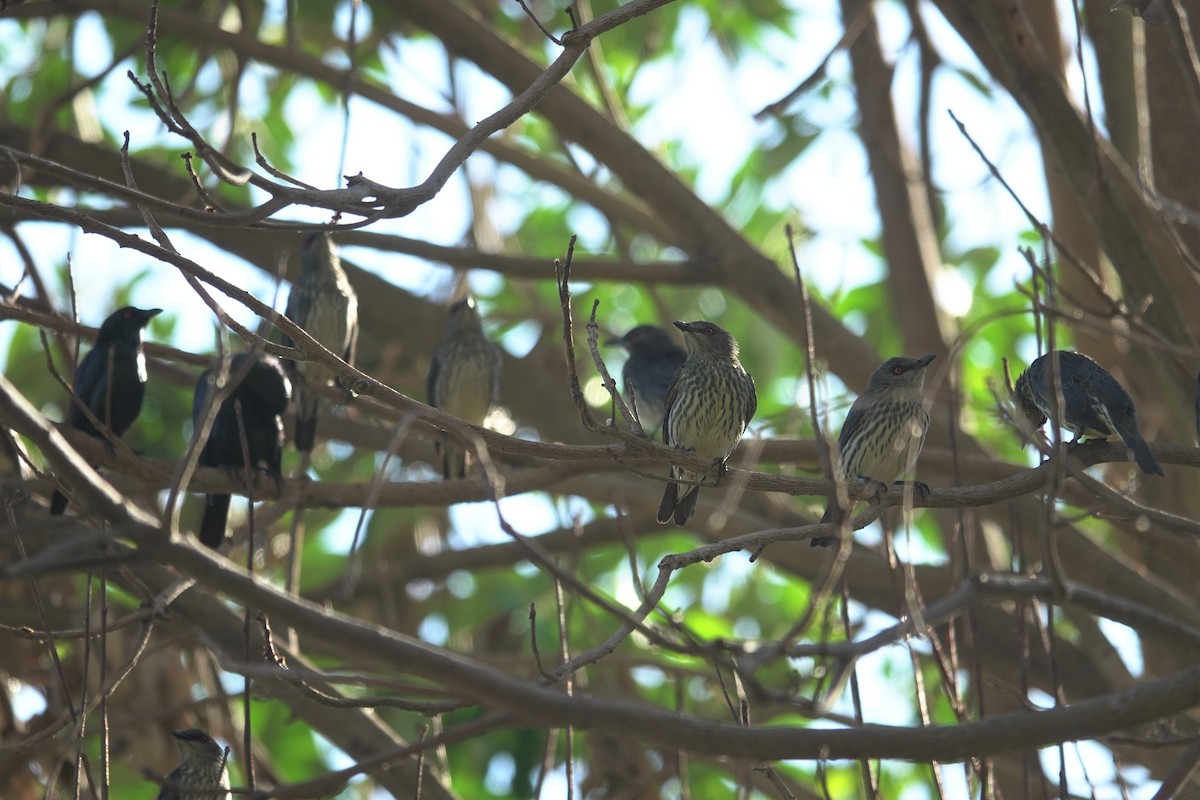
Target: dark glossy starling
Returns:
[1152, 11]
[201, 766]
[324, 304]
[884, 431]
[653, 361]
[111, 379]
[262, 393]
[464, 378]
[707, 409]
[1093, 403]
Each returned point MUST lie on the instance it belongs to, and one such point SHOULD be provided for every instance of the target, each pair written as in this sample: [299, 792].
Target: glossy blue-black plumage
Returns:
[654, 358]
[110, 380]
[263, 392]
[1092, 401]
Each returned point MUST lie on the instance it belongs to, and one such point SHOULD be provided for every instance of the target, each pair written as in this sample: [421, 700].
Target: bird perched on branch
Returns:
[883, 433]
[708, 406]
[255, 405]
[201, 766]
[1093, 403]
[464, 378]
[111, 380]
[653, 361]
[325, 305]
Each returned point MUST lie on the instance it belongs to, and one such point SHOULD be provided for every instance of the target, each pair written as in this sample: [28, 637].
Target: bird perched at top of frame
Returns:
[201, 766]
[110, 380]
[653, 361]
[325, 305]
[883, 433]
[464, 378]
[706, 411]
[255, 405]
[1092, 401]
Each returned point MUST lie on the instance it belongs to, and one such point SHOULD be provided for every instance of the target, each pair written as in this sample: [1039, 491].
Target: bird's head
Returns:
[463, 314]
[899, 373]
[197, 745]
[317, 250]
[126, 322]
[643, 338]
[705, 338]
[1023, 393]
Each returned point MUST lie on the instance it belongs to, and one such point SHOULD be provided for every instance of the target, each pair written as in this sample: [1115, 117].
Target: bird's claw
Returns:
[719, 469]
[920, 488]
[873, 490]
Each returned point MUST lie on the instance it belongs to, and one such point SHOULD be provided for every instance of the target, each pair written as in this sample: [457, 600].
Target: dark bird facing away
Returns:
[1093, 403]
[111, 379]
[653, 361]
[1152, 11]
[883, 433]
[201, 766]
[262, 394]
[708, 406]
[324, 304]
[464, 379]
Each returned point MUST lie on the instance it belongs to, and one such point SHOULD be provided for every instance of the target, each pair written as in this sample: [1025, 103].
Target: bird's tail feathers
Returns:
[212, 524]
[833, 513]
[58, 503]
[1142, 455]
[670, 499]
[308, 406]
[454, 460]
[685, 509]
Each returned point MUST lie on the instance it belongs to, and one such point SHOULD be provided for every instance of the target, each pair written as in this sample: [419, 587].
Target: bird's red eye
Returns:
[897, 370]
[202, 739]
[709, 331]
[128, 315]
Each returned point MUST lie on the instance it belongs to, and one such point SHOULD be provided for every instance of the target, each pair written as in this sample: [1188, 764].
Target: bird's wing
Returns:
[90, 386]
[854, 421]
[435, 367]
[497, 366]
[668, 402]
[751, 403]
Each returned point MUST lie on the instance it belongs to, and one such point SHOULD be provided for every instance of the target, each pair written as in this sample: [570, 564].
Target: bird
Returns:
[201, 766]
[653, 361]
[708, 406]
[1152, 11]
[883, 433]
[1093, 402]
[110, 380]
[464, 378]
[325, 305]
[262, 392]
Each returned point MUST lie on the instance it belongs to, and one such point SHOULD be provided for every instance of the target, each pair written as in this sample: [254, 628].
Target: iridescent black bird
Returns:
[884, 431]
[1093, 403]
[707, 409]
[464, 378]
[111, 379]
[325, 305]
[262, 394]
[653, 361]
[201, 766]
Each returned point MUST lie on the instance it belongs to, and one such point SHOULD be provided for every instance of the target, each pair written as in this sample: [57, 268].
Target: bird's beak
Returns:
[683, 326]
[923, 362]
[149, 314]
[179, 735]
[613, 341]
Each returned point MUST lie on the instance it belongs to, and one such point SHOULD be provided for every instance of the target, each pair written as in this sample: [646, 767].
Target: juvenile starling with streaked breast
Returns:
[110, 380]
[256, 406]
[201, 766]
[653, 361]
[706, 411]
[325, 305]
[464, 379]
[1093, 403]
[883, 433]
